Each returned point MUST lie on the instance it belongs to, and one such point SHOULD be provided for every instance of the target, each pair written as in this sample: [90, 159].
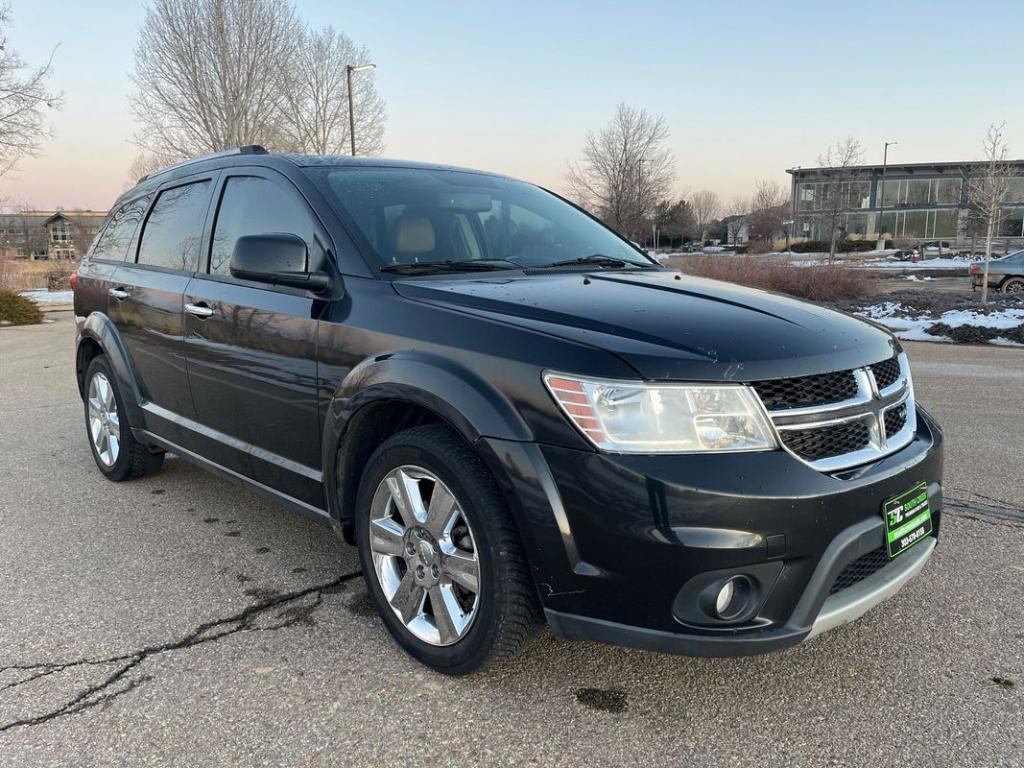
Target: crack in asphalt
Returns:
[209, 631]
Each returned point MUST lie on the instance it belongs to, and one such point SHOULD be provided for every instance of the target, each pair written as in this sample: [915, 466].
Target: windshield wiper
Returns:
[449, 265]
[597, 260]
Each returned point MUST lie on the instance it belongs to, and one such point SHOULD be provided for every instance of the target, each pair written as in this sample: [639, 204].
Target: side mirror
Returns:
[278, 259]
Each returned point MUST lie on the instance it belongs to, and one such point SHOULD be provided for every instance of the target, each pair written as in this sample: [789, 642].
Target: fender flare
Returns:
[429, 381]
[99, 328]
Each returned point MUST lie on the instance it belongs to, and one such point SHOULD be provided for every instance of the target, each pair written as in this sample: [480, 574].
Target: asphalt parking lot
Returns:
[178, 620]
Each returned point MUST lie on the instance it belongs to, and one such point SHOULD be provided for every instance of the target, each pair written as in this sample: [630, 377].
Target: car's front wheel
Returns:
[118, 454]
[441, 556]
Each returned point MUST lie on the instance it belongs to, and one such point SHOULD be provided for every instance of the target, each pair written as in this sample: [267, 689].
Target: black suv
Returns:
[515, 415]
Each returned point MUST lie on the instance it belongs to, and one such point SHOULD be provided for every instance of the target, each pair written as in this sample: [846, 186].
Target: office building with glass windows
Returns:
[921, 201]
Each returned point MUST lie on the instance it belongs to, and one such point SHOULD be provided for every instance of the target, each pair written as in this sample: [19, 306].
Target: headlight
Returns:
[633, 417]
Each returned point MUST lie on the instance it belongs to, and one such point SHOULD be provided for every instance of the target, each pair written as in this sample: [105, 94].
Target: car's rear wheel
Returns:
[1014, 285]
[441, 557]
[119, 456]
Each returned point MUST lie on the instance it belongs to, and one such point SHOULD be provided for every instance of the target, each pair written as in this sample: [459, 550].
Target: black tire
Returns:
[1013, 285]
[508, 611]
[133, 459]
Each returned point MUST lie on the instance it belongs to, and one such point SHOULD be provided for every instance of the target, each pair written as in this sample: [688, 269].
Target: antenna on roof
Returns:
[249, 149]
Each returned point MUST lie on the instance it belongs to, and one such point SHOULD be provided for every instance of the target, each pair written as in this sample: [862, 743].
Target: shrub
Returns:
[819, 282]
[17, 310]
[975, 334]
[842, 246]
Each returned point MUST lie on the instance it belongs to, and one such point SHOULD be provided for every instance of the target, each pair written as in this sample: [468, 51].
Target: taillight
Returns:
[975, 269]
[73, 280]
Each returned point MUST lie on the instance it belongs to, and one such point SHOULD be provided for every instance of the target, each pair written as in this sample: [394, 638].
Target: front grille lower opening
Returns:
[860, 569]
[895, 419]
[825, 442]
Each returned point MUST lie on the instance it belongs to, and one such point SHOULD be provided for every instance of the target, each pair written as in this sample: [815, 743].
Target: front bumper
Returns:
[617, 543]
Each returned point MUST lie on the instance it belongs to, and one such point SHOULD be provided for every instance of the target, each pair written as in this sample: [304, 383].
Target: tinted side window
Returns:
[113, 243]
[252, 205]
[175, 227]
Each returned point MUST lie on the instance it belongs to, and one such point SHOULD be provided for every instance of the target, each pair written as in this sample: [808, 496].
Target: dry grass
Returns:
[824, 282]
[24, 275]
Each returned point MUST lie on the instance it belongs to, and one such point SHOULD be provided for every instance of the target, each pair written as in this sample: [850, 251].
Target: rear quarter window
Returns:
[174, 228]
[114, 239]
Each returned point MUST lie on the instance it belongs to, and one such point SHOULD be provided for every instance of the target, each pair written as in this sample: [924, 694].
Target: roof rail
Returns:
[249, 149]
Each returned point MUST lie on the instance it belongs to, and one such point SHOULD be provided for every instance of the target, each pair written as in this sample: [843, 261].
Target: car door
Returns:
[251, 347]
[146, 297]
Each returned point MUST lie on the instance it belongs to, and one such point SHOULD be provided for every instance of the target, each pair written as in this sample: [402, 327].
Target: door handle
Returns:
[199, 310]
[118, 293]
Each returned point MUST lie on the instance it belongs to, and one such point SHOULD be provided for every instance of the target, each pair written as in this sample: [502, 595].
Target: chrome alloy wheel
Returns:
[424, 555]
[104, 425]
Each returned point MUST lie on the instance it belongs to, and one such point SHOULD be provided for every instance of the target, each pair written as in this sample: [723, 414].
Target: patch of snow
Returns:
[50, 297]
[943, 263]
[916, 279]
[909, 325]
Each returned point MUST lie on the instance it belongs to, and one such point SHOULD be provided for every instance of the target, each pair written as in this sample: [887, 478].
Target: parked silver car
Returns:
[1005, 274]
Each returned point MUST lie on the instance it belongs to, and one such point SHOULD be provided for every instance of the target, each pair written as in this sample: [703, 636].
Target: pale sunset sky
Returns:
[748, 88]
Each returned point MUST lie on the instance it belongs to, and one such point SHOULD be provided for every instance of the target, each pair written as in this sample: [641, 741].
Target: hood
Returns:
[668, 326]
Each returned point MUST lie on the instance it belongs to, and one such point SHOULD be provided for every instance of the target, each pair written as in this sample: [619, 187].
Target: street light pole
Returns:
[640, 190]
[349, 69]
[881, 196]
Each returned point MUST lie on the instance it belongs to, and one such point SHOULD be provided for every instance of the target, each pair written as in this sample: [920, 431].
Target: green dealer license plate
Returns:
[908, 519]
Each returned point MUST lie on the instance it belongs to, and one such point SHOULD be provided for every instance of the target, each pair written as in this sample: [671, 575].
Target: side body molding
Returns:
[99, 328]
[418, 378]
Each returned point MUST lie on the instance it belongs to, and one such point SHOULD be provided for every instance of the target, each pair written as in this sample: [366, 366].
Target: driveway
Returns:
[178, 620]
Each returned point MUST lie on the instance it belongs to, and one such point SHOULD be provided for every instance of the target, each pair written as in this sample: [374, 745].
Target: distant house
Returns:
[49, 235]
[737, 230]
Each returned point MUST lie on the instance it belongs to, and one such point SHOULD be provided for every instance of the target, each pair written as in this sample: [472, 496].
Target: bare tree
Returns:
[211, 74]
[625, 170]
[25, 97]
[837, 194]
[736, 212]
[988, 190]
[706, 207]
[144, 164]
[316, 116]
[768, 208]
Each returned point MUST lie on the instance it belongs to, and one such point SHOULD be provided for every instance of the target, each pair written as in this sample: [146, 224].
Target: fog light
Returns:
[725, 595]
[734, 598]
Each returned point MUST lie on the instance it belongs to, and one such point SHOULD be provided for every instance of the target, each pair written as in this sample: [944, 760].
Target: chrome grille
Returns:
[886, 372]
[833, 425]
[825, 442]
[895, 418]
[806, 390]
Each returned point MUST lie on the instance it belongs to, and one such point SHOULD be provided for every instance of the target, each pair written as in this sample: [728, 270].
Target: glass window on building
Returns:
[806, 196]
[859, 194]
[889, 192]
[1012, 223]
[915, 224]
[1016, 189]
[856, 224]
[946, 191]
[60, 232]
[946, 223]
[918, 192]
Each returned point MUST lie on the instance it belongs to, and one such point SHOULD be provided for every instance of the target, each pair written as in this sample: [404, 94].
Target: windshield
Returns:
[411, 216]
